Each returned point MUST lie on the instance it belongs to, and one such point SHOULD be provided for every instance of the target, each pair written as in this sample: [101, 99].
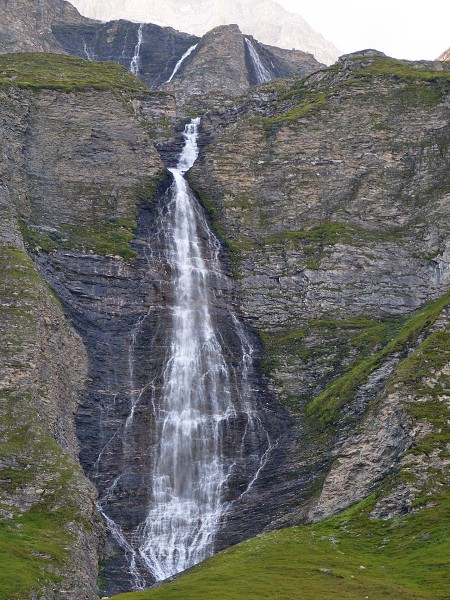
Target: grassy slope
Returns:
[324, 561]
[405, 558]
[35, 527]
[53, 71]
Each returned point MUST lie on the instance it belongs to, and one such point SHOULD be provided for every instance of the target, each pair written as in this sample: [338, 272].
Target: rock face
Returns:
[220, 63]
[83, 189]
[331, 197]
[445, 55]
[159, 52]
[45, 367]
[25, 26]
[334, 204]
[266, 20]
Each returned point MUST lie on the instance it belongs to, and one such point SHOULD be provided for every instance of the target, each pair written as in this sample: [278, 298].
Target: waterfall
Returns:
[134, 66]
[188, 52]
[262, 74]
[189, 473]
[88, 53]
[207, 443]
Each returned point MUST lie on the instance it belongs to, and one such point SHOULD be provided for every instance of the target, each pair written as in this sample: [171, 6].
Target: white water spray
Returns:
[88, 53]
[207, 429]
[262, 74]
[189, 473]
[188, 52]
[134, 66]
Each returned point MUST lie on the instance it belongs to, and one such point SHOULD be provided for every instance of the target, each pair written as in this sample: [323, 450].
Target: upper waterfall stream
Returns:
[206, 431]
[262, 74]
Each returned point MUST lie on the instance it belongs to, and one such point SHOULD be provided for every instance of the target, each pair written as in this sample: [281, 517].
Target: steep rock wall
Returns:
[333, 197]
[159, 52]
[89, 190]
[53, 140]
[25, 25]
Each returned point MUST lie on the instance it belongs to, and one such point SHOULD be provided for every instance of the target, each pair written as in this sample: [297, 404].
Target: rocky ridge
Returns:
[337, 226]
[221, 63]
[26, 25]
[445, 55]
[265, 20]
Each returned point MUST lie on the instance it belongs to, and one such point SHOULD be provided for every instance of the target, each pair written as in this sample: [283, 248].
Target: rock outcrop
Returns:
[332, 195]
[445, 55]
[159, 51]
[26, 25]
[219, 63]
[222, 64]
[57, 189]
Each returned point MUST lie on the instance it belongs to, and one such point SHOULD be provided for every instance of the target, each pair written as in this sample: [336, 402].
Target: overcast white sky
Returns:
[409, 29]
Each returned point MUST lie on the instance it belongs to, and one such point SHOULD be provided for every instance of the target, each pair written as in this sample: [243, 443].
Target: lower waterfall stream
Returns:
[206, 424]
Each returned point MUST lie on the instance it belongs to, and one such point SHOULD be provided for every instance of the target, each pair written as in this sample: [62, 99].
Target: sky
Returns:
[409, 29]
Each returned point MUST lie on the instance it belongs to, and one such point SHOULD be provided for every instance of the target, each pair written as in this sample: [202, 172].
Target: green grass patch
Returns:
[110, 239]
[346, 557]
[311, 104]
[67, 73]
[404, 70]
[38, 240]
[326, 234]
[421, 376]
[325, 409]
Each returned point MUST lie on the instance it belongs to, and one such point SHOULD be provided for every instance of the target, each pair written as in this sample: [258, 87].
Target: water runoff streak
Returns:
[134, 66]
[209, 443]
[262, 74]
[188, 52]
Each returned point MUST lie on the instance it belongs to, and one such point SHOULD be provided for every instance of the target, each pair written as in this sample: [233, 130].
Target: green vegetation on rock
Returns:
[60, 72]
[324, 410]
[111, 239]
[346, 557]
[39, 484]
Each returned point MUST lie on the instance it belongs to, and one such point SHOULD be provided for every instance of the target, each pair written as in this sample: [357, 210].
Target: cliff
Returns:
[221, 62]
[26, 25]
[265, 20]
[445, 55]
[75, 185]
[330, 195]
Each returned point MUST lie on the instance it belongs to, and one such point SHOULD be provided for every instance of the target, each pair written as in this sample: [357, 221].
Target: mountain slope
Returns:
[25, 25]
[265, 20]
[333, 197]
[445, 55]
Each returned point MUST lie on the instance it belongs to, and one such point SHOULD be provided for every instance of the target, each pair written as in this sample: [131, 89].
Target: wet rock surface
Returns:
[331, 198]
[161, 47]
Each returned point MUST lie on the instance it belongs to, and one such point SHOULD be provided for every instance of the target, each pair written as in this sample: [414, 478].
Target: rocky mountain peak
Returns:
[445, 55]
[25, 25]
[266, 20]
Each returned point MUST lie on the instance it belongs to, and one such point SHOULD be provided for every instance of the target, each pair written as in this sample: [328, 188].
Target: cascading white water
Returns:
[134, 65]
[189, 472]
[262, 74]
[188, 52]
[207, 432]
[88, 53]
